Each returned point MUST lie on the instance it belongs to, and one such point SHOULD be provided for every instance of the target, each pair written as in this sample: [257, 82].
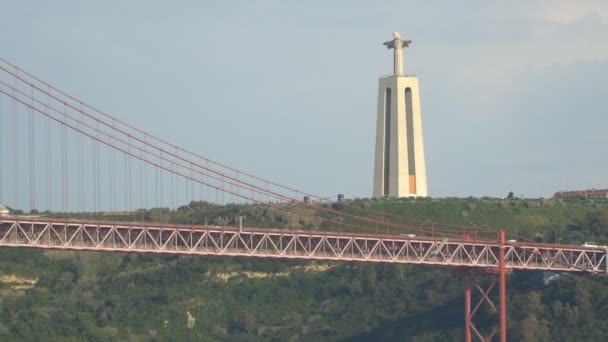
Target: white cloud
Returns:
[539, 44]
[567, 11]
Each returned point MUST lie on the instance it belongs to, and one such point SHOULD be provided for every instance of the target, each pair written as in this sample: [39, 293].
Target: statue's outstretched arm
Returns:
[390, 44]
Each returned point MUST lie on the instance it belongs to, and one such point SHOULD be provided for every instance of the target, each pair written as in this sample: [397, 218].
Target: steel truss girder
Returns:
[257, 242]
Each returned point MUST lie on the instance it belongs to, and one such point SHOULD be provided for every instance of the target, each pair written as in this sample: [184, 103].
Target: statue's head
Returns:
[396, 35]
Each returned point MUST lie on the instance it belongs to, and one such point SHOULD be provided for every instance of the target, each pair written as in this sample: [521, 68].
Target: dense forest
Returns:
[64, 296]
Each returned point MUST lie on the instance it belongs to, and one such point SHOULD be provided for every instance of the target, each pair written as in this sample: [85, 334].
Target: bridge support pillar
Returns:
[502, 285]
[499, 275]
[467, 307]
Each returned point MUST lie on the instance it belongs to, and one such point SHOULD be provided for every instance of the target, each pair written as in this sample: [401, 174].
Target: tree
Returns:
[534, 330]
[597, 221]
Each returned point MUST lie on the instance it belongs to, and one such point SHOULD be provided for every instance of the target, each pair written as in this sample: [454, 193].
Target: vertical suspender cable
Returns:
[112, 173]
[144, 180]
[64, 161]
[32, 163]
[98, 169]
[2, 176]
[17, 144]
[124, 183]
[222, 194]
[80, 165]
[162, 183]
[156, 187]
[130, 178]
[192, 197]
[96, 173]
[175, 186]
[187, 196]
[48, 156]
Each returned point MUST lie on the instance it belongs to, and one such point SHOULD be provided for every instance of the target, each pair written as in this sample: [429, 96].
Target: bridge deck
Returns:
[269, 243]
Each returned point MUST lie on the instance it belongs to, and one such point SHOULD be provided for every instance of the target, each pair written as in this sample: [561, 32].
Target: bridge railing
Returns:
[312, 245]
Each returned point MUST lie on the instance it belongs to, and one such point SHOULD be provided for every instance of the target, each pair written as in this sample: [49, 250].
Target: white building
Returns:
[4, 210]
[399, 167]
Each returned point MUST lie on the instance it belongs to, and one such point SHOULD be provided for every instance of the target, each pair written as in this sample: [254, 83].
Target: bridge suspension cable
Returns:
[175, 160]
[117, 122]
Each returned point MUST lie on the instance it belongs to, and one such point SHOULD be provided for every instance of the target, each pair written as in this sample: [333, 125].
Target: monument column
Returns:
[399, 167]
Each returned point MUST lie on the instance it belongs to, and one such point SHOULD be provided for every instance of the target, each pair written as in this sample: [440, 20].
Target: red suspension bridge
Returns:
[63, 154]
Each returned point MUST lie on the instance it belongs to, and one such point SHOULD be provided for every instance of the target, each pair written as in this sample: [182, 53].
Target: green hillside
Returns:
[62, 296]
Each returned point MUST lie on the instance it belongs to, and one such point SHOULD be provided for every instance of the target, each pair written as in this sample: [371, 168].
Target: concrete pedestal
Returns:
[399, 169]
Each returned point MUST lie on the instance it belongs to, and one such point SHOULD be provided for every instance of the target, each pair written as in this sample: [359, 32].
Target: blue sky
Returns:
[513, 93]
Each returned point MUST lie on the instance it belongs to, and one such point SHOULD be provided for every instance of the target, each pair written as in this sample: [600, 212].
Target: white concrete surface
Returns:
[403, 180]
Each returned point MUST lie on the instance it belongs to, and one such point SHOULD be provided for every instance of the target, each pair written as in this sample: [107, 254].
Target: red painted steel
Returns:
[496, 257]
[467, 307]
[501, 272]
[483, 256]
[502, 286]
[484, 298]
